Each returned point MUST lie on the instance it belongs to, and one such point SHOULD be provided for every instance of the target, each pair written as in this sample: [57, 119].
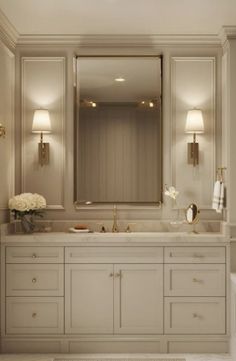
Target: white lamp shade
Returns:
[41, 121]
[194, 122]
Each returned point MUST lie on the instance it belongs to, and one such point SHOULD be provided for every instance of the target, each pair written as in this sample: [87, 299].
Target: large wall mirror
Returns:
[118, 145]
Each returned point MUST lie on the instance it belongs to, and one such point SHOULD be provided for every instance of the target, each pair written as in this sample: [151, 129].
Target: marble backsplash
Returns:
[134, 226]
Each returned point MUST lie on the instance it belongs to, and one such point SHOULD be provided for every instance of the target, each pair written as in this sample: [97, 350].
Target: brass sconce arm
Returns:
[2, 131]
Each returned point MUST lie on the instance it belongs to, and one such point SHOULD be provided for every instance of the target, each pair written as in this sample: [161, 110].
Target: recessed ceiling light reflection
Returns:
[151, 105]
[120, 79]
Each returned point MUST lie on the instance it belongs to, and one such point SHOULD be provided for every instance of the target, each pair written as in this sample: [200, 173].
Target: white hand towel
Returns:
[218, 196]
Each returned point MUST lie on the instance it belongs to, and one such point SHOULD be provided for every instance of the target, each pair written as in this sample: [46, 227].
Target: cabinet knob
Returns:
[198, 255]
[111, 274]
[197, 280]
[34, 255]
[118, 274]
[34, 280]
[195, 315]
[34, 314]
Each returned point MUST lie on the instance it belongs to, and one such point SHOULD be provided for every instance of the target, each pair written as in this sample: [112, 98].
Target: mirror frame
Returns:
[77, 203]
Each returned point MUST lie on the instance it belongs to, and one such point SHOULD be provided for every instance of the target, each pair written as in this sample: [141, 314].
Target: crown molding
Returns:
[8, 34]
[124, 40]
[227, 33]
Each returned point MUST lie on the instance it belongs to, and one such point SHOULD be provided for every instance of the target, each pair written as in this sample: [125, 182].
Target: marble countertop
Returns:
[115, 238]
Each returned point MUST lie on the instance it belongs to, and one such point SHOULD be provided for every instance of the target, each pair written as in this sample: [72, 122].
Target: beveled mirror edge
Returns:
[82, 205]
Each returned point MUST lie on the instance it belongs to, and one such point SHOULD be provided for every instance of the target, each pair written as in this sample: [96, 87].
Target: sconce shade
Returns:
[194, 122]
[41, 121]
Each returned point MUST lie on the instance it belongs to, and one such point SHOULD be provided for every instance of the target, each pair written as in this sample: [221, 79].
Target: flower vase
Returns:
[27, 223]
[177, 221]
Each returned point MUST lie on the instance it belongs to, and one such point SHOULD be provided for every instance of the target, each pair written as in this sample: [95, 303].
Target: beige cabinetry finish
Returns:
[114, 298]
[34, 254]
[190, 274]
[194, 280]
[89, 298]
[32, 280]
[34, 277]
[195, 315]
[132, 297]
[34, 315]
[194, 254]
[138, 298]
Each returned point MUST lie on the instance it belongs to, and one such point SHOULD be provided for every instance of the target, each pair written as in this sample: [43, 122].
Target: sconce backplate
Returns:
[2, 131]
[193, 152]
[43, 150]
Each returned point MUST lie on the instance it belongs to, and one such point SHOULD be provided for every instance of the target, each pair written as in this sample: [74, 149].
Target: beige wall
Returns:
[7, 78]
[55, 181]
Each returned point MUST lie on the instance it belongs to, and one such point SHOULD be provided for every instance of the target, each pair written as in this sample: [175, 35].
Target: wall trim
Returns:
[118, 40]
[174, 61]
[11, 125]
[227, 33]
[23, 62]
[8, 34]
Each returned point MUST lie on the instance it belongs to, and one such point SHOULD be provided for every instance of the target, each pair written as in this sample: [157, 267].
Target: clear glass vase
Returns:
[27, 223]
[177, 221]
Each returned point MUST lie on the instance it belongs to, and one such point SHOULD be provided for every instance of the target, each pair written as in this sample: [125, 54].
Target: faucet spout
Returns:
[115, 226]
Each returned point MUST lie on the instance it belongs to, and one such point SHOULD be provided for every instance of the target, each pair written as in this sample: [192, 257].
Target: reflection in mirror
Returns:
[118, 130]
[192, 213]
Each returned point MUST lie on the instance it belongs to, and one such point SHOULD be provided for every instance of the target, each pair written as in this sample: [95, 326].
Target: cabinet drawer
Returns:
[34, 315]
[194, 280]
[114, 254]
[34, 255]
[34, 280]
[194, 254]
[194, 315]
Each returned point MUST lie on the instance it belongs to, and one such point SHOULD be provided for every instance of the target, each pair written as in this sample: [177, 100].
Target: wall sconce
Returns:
[194, 125]
[2, 131]
[42, 125]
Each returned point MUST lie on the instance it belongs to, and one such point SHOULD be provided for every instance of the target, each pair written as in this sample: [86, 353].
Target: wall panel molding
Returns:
[43, 86]
[193, 84]
[7, 148]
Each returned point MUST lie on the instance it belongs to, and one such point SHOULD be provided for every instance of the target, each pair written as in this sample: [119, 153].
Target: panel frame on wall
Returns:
[60, 205]
[213, 118]
[9, 138]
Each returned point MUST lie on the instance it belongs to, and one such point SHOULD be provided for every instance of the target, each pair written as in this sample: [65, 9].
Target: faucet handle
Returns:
[102, 228]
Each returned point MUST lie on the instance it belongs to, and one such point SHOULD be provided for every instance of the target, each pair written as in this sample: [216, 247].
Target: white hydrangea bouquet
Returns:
[24, 206]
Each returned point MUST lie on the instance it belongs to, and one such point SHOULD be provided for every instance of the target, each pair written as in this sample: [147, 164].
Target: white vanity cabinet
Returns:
[34, 290]
[86, 295]
[114, 298]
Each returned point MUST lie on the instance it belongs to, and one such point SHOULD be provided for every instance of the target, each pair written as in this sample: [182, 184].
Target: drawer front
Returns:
[194, 280]
[34, 315]
[114, 254]
[34, 255]
[194, 315]
[34, 280]
[194, 254]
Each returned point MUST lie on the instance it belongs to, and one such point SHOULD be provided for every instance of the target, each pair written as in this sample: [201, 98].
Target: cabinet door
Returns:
[89, 298]
[138, 298]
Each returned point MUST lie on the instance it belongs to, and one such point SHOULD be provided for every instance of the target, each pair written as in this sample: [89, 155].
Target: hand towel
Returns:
[218, 196]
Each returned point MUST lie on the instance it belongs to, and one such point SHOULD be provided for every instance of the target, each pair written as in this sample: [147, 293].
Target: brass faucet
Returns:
[115, 226]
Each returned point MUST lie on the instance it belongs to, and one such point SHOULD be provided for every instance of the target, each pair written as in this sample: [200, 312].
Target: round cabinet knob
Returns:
[34, 255]
[34, 280]
[34, 314]
[111, 274]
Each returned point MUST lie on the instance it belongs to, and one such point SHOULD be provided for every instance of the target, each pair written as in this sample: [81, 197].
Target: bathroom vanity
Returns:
[137, 292]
